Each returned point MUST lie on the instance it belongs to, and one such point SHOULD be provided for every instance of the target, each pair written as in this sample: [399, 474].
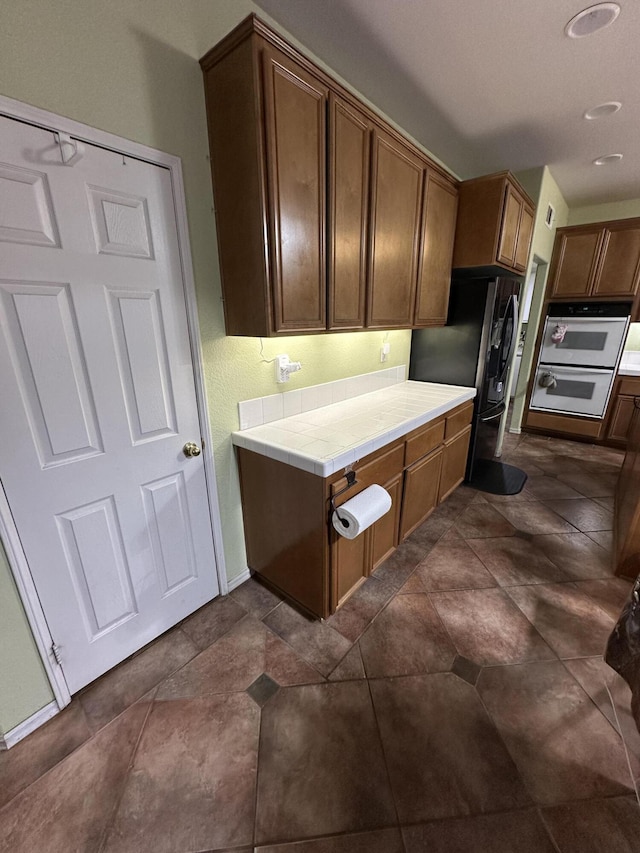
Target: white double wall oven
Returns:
[579, 355]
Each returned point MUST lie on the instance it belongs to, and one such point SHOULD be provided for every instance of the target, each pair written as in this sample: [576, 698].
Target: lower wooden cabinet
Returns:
[454, 463]
[620, 410]
[385, 532]
[290, 540]
[420, 497]
[349, 565]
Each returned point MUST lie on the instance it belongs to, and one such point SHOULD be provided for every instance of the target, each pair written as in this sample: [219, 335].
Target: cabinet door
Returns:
[384, 533]
[619, 268]
[509, 227]
[454, 462]
[420, 495]
[350, 561]
[525, 232]
[574, 262]
[395, 232]
[438, 232]
[295, 115]
[620, 418]
[349, 155]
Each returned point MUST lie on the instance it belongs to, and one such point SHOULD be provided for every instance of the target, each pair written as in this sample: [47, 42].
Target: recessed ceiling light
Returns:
[607, 158]
[592, 19]
[602, 110]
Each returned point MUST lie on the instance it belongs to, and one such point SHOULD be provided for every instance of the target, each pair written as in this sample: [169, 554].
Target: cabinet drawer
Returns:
[458, 421]
[380, 469]
[423, 442]
[629, 385]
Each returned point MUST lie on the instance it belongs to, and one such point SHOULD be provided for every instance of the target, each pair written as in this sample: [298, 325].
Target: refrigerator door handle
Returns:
[492, 417]
[511, 313]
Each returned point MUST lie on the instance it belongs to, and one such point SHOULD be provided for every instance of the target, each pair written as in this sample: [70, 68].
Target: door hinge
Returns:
[55, 651]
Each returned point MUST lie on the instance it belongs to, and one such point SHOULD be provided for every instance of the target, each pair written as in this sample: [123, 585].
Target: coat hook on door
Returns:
[65, 142]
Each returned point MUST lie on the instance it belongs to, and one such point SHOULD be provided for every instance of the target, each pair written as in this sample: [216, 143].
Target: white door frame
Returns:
[8, 531]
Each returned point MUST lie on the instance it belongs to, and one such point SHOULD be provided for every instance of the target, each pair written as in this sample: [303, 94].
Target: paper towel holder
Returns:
[351, 481]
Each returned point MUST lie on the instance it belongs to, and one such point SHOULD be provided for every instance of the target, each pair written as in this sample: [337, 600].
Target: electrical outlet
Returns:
[384, 352]
[285, 367]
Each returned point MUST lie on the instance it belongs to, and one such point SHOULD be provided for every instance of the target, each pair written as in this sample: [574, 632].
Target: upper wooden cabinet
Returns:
[598, 260]
[349, 167]
[295, 122]
[494, 225]
[327, 218]
[439, 218]
[396, 201]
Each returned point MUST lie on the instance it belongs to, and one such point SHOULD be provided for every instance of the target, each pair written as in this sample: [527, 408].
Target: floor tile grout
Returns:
[111, 820]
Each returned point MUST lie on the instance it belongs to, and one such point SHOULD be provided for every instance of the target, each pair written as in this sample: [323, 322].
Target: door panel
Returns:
[420, 497]
[98, 399]
[509, 229]
[350, 146]
[143, 362]
[619, 270]
[295, 114]
[574, 263]
[395, 232]
[384, 533]
[439, 229]
[525, 232]
[48, 362]
[26, 212]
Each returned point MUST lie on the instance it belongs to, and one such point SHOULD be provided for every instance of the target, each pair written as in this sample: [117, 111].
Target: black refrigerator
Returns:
[474, 349]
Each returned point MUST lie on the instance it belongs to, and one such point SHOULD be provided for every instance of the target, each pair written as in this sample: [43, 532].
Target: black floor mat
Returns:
[498, 478]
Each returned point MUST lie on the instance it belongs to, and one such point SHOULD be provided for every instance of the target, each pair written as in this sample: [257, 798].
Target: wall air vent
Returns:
[550, 218]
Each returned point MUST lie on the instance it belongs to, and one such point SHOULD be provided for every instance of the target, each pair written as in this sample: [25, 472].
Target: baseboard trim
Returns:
[240, 579]
[515, 431]
[29, 725]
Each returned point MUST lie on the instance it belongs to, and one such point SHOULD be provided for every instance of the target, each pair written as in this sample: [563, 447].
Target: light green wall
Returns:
[547, 193]
[24, 687]
[131, 69]
[633, 338]
[604, 212]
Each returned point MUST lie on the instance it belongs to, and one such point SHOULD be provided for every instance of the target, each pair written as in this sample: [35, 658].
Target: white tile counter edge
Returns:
[630, 364]
[275, 441]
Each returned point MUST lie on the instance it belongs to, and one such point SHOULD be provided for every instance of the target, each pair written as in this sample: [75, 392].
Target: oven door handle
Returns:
[577, 320]
[570, 368]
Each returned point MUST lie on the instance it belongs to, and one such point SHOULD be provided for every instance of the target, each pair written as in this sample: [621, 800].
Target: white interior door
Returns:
[98, 399]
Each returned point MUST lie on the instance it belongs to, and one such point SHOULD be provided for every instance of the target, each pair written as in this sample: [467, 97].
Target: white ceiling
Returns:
[488, 85]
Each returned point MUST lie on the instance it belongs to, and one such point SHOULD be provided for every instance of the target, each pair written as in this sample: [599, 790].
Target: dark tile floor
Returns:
[457, 702]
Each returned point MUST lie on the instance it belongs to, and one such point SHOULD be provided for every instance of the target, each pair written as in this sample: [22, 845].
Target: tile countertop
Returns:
[325, 440]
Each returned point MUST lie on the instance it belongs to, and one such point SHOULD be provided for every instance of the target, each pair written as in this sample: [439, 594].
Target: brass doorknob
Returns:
[191, 449]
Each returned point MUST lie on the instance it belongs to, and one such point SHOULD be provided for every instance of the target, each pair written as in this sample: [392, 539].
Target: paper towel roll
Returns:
[361, 512]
